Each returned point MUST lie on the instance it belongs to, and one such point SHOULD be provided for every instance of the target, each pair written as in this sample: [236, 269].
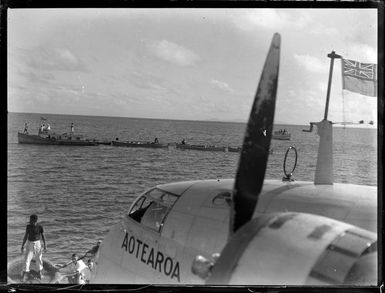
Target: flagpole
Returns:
[332, 56]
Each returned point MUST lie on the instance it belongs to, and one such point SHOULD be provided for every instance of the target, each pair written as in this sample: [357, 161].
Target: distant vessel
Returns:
[139, 144]
[45, 136]
[53, 139]
[234, 149]
[281, 134]
[201, 147]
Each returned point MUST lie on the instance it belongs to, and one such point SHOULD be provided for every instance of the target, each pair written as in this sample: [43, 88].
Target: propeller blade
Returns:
[256, 144]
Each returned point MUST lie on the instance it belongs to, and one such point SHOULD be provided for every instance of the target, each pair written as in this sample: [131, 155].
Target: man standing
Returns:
[33, 233]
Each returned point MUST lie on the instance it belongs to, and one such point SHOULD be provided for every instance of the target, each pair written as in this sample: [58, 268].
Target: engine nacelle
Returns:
[297, 249]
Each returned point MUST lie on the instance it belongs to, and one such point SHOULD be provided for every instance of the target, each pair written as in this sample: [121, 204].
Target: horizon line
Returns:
[212, 120]
[208, 120]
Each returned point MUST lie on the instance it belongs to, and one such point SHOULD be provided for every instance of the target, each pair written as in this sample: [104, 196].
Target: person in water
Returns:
[33, 233]
[25, 128]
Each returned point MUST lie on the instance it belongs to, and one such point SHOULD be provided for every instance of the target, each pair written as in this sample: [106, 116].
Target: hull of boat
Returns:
[138, 144]
[50, 273]
[281, 136]
[201, 147]
[104, 142]
[234, 150]
[36, 139]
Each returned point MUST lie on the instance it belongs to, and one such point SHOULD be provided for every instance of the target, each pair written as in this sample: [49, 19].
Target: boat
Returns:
[54, 139]
[201, 147]
[50, 273]
[139, 144]
[48, 137]
[281, 135]
[234, 149]
[103, 142]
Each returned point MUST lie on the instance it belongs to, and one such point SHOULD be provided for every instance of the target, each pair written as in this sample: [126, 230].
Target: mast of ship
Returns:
[324, 168]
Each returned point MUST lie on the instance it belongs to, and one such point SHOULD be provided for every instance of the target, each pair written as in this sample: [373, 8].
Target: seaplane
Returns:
[248, 230]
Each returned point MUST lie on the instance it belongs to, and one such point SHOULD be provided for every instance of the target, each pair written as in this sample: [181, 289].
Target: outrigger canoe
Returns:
[139, 144]
[54, 140]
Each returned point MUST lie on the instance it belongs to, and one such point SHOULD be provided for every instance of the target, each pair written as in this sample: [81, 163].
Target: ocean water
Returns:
[79, 192]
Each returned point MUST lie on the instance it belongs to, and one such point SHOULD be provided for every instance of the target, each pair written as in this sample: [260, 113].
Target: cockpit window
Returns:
[139, 208]
[168, 199]
[154, 216]
[152, 208]
[155, 193]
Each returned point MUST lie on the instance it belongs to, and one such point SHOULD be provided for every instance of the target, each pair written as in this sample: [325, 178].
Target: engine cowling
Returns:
[297, 249]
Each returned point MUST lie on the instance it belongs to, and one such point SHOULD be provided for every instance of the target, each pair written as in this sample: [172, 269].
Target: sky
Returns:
[189, 64]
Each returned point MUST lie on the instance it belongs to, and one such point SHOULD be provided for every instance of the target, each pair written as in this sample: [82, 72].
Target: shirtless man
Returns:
[33, 233]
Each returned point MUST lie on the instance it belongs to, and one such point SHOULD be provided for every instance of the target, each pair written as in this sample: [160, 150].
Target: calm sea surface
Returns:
[79, 192]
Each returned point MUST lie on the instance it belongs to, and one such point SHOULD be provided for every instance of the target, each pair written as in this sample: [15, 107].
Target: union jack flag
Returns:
[359, 77]
[359, 70]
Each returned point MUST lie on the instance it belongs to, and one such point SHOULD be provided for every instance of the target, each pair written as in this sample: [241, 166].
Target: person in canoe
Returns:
[25, 128]
[33, 233]
[41, 128]
[183, 141]
[156, 141]
[72, 128]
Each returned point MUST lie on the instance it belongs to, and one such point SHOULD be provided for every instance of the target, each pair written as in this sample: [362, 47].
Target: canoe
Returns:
[200, 147]
[53, 140]
[139, 144]
[50, 273]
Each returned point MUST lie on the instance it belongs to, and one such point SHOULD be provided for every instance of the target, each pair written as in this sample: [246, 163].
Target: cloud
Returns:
[270, 18]
[55, 59]
[312, 64]
[37, 77]
[172, 52]
[222, 85]
[321, 29]
[362, 53]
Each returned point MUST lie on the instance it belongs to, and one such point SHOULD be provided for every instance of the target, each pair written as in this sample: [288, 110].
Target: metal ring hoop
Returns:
[284, 162]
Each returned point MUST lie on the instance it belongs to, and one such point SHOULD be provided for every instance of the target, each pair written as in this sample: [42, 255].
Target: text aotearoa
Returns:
[149, 256]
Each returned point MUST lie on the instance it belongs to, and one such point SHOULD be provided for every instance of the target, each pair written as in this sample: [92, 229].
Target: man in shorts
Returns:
[33, 233]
